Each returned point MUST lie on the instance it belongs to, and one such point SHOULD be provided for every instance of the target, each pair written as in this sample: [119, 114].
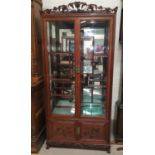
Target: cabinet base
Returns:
[104, 147]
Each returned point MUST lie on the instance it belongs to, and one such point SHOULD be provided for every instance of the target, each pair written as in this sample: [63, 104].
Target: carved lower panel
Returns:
[93, 132]
[62, 130]
[91, 135]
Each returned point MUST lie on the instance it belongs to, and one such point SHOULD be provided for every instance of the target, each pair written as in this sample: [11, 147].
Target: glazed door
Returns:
[78, 52]
[61, 67]
[94, 67]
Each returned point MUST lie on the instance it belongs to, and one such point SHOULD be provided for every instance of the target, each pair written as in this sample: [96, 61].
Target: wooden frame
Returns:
[76, 130]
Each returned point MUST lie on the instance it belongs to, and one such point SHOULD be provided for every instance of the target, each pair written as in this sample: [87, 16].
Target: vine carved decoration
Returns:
[80, 7]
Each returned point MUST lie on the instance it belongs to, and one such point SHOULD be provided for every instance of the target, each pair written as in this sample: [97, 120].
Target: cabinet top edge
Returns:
[56, 15]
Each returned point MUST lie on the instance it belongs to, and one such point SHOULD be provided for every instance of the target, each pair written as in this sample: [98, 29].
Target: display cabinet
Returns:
[78, 51]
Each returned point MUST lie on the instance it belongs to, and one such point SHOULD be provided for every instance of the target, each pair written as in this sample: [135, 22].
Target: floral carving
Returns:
[61, 131]
[93, 132]
[80, 7]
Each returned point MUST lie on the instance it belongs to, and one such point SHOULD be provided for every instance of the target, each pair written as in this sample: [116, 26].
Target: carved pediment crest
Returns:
[80, 7]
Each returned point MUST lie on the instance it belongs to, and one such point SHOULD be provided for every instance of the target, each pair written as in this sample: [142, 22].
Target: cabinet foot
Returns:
[109, 150]
[47, 146]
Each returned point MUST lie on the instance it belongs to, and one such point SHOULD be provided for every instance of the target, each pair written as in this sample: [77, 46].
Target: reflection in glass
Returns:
[61, 67]
[94, 58]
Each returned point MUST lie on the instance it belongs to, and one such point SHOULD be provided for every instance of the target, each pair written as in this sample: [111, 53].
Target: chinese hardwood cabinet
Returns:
[37, 82]
[78, 51]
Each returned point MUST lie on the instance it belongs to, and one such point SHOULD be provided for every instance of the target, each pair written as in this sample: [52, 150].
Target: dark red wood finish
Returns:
[37, 82]
[76, 130]
[37, 116]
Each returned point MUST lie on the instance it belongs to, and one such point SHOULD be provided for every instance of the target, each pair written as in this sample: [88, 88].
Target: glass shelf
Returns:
[64, 107]
[61, 53]
[89, 109]
[64, 111]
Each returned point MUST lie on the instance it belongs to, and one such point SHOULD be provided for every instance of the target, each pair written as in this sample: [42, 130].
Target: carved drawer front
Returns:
[62, 130]
[93, 131]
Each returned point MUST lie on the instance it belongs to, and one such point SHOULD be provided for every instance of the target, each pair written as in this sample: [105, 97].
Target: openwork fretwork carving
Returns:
[80, 7]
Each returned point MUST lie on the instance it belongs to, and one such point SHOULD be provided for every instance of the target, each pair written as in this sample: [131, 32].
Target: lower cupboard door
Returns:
[62, 131]
[79, 132]
[93, 133]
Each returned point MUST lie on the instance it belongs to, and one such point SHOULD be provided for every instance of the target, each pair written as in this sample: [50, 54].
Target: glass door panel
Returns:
[94, 58]
[61, 66]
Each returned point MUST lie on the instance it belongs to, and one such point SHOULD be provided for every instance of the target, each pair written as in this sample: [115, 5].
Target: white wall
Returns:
[117, 57]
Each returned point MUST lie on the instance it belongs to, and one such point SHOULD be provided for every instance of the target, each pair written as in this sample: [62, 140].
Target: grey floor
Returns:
[63, 151]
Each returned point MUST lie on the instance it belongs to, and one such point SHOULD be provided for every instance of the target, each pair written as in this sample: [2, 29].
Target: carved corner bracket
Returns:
[80, 7]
